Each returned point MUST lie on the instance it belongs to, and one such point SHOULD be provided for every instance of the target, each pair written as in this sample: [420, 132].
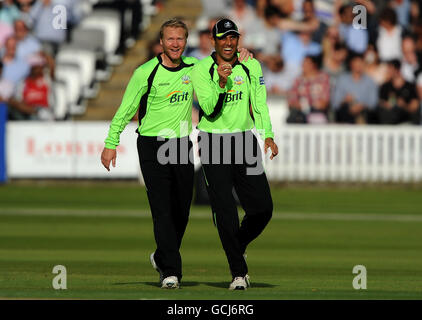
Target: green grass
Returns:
[107, 256]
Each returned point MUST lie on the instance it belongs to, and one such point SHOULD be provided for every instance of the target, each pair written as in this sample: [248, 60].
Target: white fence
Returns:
[347, 153]
[306, 152]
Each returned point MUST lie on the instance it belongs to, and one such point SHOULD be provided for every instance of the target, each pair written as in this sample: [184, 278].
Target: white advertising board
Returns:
[67, 150]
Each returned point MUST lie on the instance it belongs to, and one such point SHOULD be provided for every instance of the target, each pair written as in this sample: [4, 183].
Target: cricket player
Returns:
[232, 97]
[161, 91]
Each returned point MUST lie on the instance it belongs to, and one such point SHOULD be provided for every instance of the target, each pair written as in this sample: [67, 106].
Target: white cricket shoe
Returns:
[239, 283]
[170, 283]
[154, 265]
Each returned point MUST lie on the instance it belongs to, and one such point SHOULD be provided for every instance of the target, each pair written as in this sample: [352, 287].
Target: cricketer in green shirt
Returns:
[226, 110]
[164, 98]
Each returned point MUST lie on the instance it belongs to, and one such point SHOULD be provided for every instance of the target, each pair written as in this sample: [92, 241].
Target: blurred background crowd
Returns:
[332, 60]
[54, 53]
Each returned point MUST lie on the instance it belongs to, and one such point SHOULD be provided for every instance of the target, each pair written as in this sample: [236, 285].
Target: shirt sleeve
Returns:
[259, 102]
[209, 93]
[136, 88]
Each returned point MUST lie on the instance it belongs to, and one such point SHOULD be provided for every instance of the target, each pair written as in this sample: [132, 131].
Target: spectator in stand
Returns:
[295, 47]
[42, 11]
[14, 69]
[34, 99]
[278, 79]
[264, 38]
[355, 39]
[402, 9]
[334, 53]
[310, 22]
[373, 68]
[355, 95]
[214, 8]
[27, 44]
[6, 30]
[7, 88]
[205, 46]
[325, 11]
[335, 64]
[244, 15]
[398, 98]
[9, 12]
[310, 96]
[415, 16]
[389, 36]
[25, 6]
[410, 63]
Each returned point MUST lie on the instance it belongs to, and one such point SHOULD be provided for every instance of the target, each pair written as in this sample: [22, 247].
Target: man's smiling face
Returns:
[226, 47]
[173, 42]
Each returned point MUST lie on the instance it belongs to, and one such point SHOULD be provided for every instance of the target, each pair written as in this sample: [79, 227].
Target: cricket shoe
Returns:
[155, 266]
[170, 283]
[239, 283]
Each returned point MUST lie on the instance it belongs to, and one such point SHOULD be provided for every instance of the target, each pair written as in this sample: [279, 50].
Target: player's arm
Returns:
[260, 109]
[210, 93]
[130, 103]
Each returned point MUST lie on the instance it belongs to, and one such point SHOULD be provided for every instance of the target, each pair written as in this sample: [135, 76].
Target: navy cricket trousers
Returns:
[169, 189]
[251, 187]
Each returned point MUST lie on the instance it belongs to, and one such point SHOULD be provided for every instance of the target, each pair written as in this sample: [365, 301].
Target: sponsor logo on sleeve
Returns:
[261, 81]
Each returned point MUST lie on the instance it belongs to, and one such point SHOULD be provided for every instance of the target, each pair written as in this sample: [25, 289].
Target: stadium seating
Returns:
[93, 40]
[90, 56]
[71, 75]
[61, 109]
[109, 22]
[86, 61]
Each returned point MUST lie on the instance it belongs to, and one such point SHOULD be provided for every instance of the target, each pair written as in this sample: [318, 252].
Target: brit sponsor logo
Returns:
[233, 95]
[178, 96]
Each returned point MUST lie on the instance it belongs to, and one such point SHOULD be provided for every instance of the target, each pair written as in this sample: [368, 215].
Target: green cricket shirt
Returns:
[226, 110]
[163, 97]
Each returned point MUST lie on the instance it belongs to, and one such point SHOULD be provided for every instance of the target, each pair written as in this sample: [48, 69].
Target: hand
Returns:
[224, 71]
[244, 54]
[107, 156]
[269, 143]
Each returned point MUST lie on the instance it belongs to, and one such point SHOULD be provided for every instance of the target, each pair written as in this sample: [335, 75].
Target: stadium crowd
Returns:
[333, 60]
[329, 59]
[31, 34]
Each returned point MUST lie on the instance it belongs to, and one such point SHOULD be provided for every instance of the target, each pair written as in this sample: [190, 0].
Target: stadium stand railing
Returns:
[347, 153]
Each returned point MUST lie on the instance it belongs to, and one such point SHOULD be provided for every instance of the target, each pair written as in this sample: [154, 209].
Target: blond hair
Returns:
[173, 23]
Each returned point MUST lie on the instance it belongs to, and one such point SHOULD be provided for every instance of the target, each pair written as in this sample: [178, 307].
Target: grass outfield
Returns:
[102, 233]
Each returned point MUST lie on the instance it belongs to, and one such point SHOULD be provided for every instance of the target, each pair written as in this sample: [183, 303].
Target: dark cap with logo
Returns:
[223, 27]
